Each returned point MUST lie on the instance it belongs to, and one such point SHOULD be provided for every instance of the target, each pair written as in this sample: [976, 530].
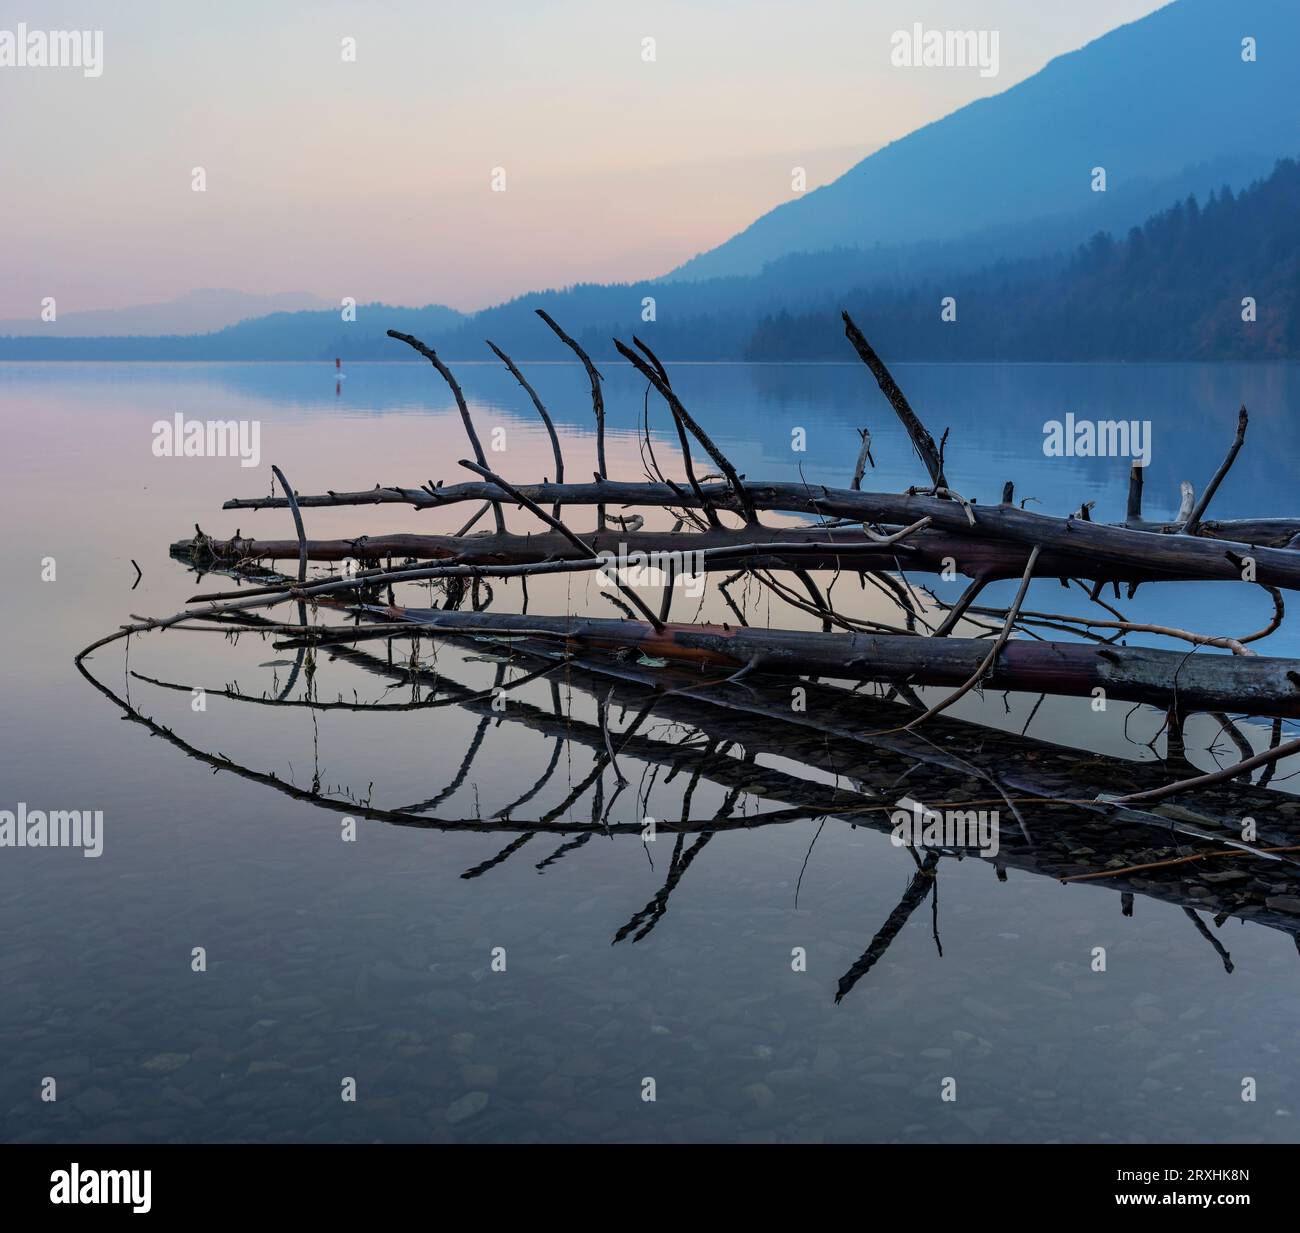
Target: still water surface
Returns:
[373, 959]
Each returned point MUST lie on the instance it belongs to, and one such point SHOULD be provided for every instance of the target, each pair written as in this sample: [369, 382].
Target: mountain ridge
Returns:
[200, 311]
[1075, 113]
[1232, 143]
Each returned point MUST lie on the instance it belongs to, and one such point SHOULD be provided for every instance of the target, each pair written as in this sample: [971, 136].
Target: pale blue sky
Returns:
[372, 179]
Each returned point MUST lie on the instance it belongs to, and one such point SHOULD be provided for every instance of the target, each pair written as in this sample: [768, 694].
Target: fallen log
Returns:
[1122, 553]
[1128, 859]
[1054, 784]
[923, 550]
[708, 674]
[854, 737]
[1263, 532]
[928, 551]
[1254, 685]
[490, 549]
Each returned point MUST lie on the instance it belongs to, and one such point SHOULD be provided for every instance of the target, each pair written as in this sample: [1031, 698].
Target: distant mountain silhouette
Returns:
[989, 204]
[197, 312]
[277, 336]
[1147, 101]
[1170, 289]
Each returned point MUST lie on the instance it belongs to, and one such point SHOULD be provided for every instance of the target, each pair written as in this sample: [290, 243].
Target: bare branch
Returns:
[475, 444]
[1194, 520]
[597, 403]
[994, 651]
[922, 441]
[541, 410]
[533, 508]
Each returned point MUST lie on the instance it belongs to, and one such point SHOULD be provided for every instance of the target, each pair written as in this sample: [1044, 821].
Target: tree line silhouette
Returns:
[1172, 289]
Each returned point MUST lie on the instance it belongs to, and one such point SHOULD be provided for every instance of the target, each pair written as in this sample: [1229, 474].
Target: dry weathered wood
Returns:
[1074, 827]
[556, 452]
[597, 403]
[297, 522]
[1264, 532]
[537, 511]
[688, 465]
[847, 734]
[1236, 645]
[923, 529]
[817, 548]
[658, 378]
[923, 442]
[282, 590]
[1189, 527]
[994, 651]
[1256, 685]
[1136, 475]
[1267, 757]
[443, 371]
[1120, 553]
[864, 457]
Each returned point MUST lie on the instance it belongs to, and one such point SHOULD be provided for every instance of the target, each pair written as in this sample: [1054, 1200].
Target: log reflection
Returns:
[844, 759]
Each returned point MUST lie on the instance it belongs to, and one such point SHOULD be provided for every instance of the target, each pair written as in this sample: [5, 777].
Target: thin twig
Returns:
[994, 651]
[1266, 758]
[533, 508]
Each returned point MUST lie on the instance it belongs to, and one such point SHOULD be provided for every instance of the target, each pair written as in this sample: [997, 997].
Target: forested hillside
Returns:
[1171, 289]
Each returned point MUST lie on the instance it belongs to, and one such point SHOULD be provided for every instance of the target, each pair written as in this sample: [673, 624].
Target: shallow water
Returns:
[374, 959]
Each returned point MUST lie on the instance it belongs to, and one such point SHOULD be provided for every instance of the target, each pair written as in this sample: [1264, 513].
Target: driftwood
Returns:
[926, 552]
[996, 546]
[1179, 855]
[1273, 532]
[881, 536]
[597, 408]
[1257, 685]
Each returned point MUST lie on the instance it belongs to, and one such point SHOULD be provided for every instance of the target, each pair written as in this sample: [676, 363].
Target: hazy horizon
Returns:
[372, 178]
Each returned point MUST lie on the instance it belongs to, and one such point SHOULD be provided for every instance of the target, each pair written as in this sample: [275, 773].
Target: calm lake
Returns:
[377, 960]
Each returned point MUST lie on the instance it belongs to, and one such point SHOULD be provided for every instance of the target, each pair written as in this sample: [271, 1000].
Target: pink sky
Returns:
[372, 179]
